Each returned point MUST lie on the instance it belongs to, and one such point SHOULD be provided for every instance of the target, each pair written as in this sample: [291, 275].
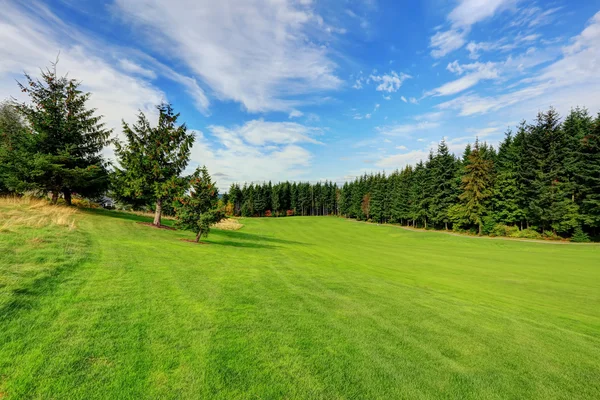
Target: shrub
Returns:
[290, 213]
[579, 236]
[488, 225]
[502, 230]
[268, 213]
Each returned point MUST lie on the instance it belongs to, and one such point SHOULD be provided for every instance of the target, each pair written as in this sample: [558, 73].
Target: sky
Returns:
[310, 90]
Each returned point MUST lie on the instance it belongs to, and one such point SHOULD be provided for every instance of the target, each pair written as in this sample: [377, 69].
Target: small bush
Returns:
[579, 236]
[504, 230]
[290, 213]
[268, 213]
[488, 225]
[551, 235]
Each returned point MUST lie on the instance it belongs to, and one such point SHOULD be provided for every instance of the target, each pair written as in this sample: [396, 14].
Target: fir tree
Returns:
[589, 176]
[152, 159]
[198, 209]
[69, 137]
[477, 187]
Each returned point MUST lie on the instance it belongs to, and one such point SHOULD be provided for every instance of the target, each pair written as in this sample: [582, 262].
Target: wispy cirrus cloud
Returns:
[568, 81]
[258, 52]
[466, 14]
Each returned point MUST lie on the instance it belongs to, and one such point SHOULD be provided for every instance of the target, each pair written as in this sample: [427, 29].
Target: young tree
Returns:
[68, 136]
[198, 209]
[152, 159]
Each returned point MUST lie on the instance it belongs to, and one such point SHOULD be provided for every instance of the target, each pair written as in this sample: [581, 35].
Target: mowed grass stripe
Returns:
[307, 308]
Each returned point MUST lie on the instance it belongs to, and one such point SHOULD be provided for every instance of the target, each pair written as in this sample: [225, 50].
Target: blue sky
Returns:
[308, 89]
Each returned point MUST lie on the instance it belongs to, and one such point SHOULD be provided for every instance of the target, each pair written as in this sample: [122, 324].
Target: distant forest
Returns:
[544, 179]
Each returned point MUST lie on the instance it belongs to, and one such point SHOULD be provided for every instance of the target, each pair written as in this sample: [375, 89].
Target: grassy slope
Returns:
[297, 308]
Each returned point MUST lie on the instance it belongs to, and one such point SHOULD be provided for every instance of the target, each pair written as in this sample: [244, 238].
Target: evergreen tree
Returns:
[506, 197]
[444, 185]
[198, 209]
[17, 149]
[588, 176]
[68, 137]
[477, 187]
[152, 159]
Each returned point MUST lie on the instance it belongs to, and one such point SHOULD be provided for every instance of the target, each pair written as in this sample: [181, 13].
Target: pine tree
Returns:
[444, 185]
[198, 209]
[477, 187]
[17, 149]
[68, 137]
[152, 159]
[588, 176]
[506, 198]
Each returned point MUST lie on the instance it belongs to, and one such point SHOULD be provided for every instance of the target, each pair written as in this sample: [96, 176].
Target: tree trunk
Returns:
[198, 235]
[480, 228]
[158, 212]
[67, 194]
[446, 224]
[54, 197]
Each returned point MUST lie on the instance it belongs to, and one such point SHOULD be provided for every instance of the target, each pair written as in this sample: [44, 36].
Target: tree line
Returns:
[543, 179]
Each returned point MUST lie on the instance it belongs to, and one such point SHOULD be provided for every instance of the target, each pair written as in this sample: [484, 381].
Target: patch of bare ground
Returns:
[193, 241]
[229, 224]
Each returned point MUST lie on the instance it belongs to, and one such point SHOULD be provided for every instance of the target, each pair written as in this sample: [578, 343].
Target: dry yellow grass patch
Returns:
[229, 224]
[26, 211]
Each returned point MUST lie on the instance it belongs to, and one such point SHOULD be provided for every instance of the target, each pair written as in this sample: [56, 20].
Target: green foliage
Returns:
[152, 159]
[63, 148]
[199, 208]
[476, 186]
[16, 148]
[504, 230]
[579, 236]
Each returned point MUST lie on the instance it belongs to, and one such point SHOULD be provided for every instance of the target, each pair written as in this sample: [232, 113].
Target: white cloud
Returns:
[478, 72]
[389, 82]
[405, 130]
[445, 42]
[136, 69]
[401, 147]
[295, 114]
[257, 52]
[461, 19]
[401, 160]
[470, 12]
[251, 152]
[404, 99]
[569, 81]
[31, 37]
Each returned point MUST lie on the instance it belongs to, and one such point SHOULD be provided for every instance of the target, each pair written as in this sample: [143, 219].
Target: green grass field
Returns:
[294, 308]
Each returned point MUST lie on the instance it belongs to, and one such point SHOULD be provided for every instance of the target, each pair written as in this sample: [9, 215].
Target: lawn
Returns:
[295, 308]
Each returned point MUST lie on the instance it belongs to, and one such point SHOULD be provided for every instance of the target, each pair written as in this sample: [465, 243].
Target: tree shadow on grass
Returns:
[237, 236]
[232, 243]
[125, 215]
[232, 238]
